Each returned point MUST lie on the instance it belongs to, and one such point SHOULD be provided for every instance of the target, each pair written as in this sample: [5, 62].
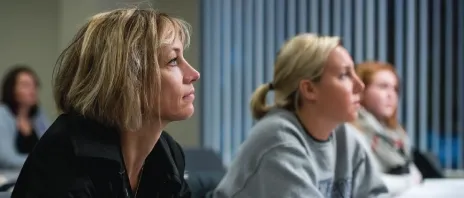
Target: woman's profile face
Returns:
[177, 78]
[25, 90]
[338, 91]
[381, 96]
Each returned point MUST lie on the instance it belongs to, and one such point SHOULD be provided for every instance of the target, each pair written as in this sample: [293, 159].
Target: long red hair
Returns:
[366, 71]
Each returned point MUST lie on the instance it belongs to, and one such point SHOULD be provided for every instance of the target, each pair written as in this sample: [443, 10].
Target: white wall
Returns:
[34, 32]
[28, 34]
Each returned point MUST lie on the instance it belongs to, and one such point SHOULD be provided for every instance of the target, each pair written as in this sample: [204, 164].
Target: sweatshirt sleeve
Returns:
[283, 171]
[367, 180]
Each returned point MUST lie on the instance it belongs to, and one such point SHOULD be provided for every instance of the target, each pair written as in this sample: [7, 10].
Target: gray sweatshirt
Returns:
[280, 159]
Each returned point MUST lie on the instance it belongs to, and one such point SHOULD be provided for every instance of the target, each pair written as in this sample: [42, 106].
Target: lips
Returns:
[357, 103]
[190, 95]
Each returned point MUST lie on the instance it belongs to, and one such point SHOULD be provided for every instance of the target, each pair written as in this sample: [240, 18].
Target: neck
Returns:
[137, 145]
[316, 125]
[381, 120]
[23, 112]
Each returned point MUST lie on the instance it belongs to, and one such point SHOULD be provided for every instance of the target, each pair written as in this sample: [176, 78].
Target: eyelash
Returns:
[173, 62]
[345, 74]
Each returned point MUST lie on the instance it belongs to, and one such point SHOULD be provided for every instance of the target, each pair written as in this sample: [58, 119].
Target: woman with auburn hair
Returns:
[119, 83]
[299, 146]
[384, 138]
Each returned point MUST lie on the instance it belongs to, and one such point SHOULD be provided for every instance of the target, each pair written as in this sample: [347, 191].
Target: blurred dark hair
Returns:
[9, 85]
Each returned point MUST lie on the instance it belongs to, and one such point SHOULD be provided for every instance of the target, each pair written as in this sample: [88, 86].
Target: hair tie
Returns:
[271, 86]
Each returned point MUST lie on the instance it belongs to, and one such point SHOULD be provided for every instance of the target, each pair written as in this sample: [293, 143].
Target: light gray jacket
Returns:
[9, 155]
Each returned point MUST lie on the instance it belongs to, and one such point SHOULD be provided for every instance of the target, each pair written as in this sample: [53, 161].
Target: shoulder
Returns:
[60, 129]
[52, 160]
[276, 135]
[357, 137]
[350, 139]
[56, 141]
[172, 144]
[351, 131]
[168, 138]
[5, 111]
[7, 123]
[174, 148]
[178, 156]
[279, 126]
[55, 147]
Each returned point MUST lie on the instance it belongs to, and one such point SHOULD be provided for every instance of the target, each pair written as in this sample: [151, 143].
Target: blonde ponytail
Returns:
[258, 101]
[301, 57]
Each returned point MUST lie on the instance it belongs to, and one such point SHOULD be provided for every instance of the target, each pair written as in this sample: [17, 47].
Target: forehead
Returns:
[339, 59]
[384, 76]
[174, 46]
[176, 43]
[24, 76]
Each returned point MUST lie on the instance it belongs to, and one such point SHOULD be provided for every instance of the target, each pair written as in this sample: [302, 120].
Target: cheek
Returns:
[171, 85]
[371, 98]
[394, 99]
[21, 94]
[171, 94]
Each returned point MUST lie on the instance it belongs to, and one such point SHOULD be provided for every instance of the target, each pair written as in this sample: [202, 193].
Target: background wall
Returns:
[35, 32]
[29, 35]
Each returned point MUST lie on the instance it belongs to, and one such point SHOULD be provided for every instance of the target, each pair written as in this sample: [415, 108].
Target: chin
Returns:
[352, 117]
[185, 114]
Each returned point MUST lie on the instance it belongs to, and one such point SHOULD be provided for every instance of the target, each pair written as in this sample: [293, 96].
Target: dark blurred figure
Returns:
[21, 121]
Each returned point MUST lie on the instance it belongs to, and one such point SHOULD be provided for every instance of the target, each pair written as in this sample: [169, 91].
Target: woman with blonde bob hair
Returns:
[122, 79]
[377, 125]
[298, 147]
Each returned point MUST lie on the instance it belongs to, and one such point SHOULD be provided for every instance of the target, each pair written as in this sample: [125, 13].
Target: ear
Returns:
[307, 90]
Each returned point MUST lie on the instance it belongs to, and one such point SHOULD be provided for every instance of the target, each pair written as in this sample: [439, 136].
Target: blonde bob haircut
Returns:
[111, 72]
[302, 57]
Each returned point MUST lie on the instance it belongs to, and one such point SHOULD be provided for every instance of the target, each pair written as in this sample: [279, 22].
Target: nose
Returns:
[358, 85]
[392, 94]
[191, 74]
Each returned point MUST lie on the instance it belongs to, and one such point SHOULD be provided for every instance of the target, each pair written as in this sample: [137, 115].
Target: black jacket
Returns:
[80, 158]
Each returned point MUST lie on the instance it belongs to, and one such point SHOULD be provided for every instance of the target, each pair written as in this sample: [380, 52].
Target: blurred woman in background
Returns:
[299, 147]
[384, 138]
[21, 121]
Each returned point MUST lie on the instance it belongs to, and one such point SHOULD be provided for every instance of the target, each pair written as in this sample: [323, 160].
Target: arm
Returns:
[9, 156]
[367, 180]
[397, 184]
[283, 171]
[394, 183]
[41, 123]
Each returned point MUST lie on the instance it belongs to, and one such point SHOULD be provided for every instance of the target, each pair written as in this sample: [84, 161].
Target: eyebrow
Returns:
[347, 67]
[176, 49]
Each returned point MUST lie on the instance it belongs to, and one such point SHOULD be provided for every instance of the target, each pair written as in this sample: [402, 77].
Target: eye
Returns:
[384, 86]
[173, 62]
[345, 74]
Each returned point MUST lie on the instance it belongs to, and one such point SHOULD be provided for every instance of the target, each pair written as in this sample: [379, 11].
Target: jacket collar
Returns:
[95, 140]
